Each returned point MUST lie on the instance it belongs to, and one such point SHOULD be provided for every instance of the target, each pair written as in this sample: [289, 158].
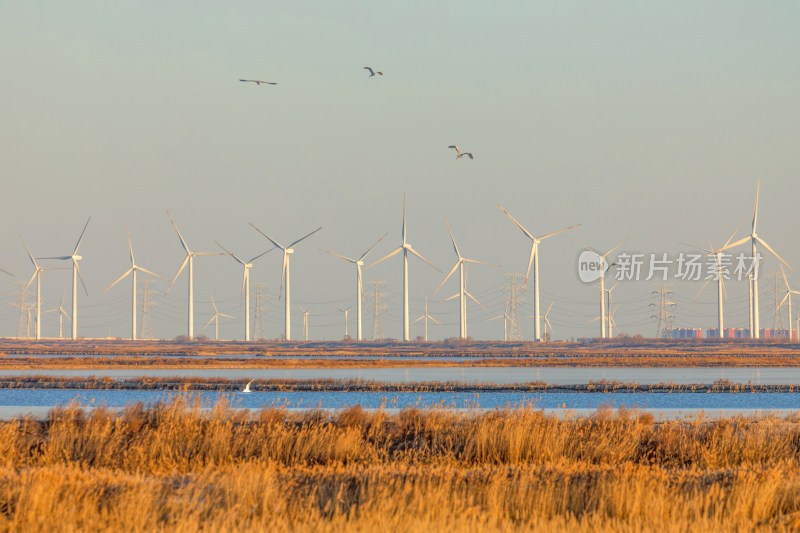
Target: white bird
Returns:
[373, 72]
[247, 387]
[259, 82]
[459, 153]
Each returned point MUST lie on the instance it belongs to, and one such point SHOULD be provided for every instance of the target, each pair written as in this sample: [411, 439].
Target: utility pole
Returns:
[377, 308]
[513, 292]
[664, 315]
[146, 331]
[258, 310]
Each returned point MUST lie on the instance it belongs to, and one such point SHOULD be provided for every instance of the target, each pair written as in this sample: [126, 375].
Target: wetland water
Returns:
[498, 375]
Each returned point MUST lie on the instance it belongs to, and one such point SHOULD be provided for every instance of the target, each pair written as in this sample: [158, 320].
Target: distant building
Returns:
[683, 333]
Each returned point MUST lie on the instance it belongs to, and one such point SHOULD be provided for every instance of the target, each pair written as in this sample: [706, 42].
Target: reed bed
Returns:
[176, 467]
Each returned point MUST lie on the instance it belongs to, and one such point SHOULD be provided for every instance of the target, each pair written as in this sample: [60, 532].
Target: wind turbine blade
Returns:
[614, 248]
[214, 304]
[404, 219]
[530, 262]
[549, 325]
[767, 246]
[475, 262]
[298, 241]
[785, 281]
[548, 310]
[417, 320]
[365, 254]
[7, 272]
[552, 233]
[75, 252]
[59, 258]
[755, 211]
[703, 287]
[183, 265]
[387, 256]
[230, 253]
[456, 295]
[29, 253]
[343, 258]
[262, 254]
[130, 246]
[732, 235]
[735, 244]
[784, 300]
[207, 253]
[35, 273]
[474, 299]
[183, 242]
[413, 251]
[494, 318]
[244, 284]
[119, 279]
[78, 270]
[434, 320]
[283, 275]
[226, 316]
[268, 237]
[453, 239]
[140, 269]
[210, 321]
[595, 252]
[446, 278]
[614, 287]
[520, 226]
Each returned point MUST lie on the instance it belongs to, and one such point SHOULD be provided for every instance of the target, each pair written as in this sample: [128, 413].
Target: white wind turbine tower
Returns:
[61, 314]
[406, 249]
[602, 258]
[133, 271]
[535, 241]
[359, 283]
[346, 313]
[755, 239]
[190, 255]
[245, 286]
[37, 275]
[720, 281]
[305, 321]
[788, 299]
[287, 251]
[462, 292]
[426, 317]
[215, 318]
[76, 273]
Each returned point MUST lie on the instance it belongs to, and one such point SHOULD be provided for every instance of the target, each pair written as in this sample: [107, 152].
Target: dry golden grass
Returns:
[172, 467]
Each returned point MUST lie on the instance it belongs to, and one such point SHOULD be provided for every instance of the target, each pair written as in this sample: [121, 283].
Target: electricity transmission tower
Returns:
[514, 299]
[146, 331]
[260, 296]
[377, 308]
[665, 305]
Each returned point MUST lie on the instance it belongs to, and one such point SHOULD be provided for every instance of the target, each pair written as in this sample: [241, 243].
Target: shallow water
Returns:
[499, 375]
[484, 400]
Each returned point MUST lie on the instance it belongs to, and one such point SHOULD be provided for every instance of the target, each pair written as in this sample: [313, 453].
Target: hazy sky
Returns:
[644, 119]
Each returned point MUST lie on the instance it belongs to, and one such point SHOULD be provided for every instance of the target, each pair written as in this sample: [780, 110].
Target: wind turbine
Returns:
[61, 314]
[406, 249]
[755, 239]
[190, 255]
[426, 317]
[535, 241]
[462, 292]
[346, 312]
[287, 251]
[720, 280]
[359, 283]
[602, 258]
[37, 275]
[506, 319]
[547, 321]
[788, 299]
[133, 270]
[215, 318]
[76, 273]
[305, 321]
[245, 286]
[611, 323]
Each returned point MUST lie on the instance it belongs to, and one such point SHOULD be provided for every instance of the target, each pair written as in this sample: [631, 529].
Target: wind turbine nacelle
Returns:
[290, 250]
[76, 257]
[360, 263]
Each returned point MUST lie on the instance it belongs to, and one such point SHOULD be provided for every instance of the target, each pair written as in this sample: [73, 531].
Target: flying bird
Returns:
[259, 82]
[459, 153]
[372, 72]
